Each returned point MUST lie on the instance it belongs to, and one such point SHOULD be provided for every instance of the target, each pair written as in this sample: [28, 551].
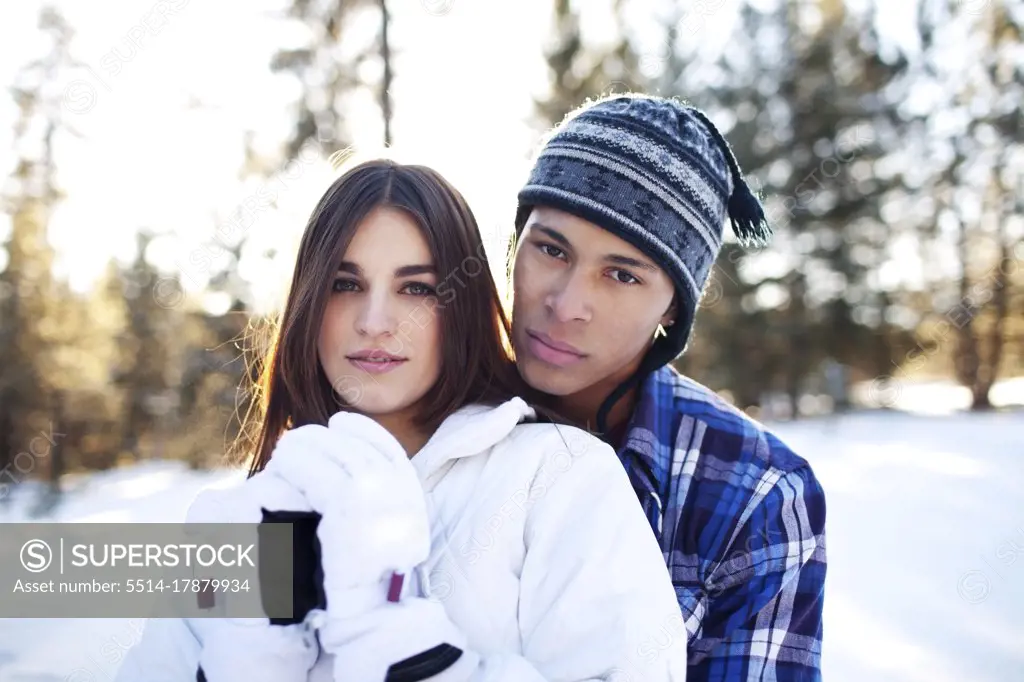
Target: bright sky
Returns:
[462, 97]
[466, 73]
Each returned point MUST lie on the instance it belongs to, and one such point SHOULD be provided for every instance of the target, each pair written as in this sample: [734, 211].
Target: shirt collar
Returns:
[652, 428]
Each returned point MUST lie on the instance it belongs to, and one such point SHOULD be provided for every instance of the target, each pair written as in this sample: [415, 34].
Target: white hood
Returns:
[472, 430]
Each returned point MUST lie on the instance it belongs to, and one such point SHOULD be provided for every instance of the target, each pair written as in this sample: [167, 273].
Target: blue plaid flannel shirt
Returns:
[741, 521]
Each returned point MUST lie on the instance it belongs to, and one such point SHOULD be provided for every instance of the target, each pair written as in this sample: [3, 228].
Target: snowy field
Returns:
[925, 542]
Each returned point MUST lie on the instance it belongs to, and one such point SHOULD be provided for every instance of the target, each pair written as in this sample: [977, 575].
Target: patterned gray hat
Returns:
[658, 174]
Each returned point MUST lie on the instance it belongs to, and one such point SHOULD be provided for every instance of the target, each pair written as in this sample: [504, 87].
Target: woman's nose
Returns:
[376, 317]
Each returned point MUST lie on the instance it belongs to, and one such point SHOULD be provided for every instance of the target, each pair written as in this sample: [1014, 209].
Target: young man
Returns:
[617, 229]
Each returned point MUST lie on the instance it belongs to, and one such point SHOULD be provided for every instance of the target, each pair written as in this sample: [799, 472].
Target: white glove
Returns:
[374, 522]
[251, 648]
[374, 517]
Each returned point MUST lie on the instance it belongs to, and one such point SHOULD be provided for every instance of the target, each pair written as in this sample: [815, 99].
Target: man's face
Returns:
[586, 304]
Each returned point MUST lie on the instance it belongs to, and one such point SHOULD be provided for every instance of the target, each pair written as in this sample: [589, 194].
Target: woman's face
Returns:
[380, 337]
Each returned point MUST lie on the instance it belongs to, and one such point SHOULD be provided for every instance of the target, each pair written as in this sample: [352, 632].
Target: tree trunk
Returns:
[57, 464]
[797, 361]
[979, 397]
[988, 374]
[385, 50]
[883, 351]
[966, 359]
[7, 479]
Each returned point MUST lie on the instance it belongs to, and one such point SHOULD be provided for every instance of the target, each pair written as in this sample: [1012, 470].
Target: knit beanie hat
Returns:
[658, 174]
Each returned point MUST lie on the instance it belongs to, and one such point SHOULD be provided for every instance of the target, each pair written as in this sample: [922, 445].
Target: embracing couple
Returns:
[528, 497]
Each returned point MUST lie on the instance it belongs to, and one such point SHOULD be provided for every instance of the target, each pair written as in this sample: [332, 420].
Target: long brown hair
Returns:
[292, 389]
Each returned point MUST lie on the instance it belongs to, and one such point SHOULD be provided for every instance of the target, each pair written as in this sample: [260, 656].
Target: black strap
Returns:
[424, 665]
[307, 571]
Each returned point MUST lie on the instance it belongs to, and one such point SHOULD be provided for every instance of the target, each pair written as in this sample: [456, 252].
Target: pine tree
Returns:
[27, 287]
[327, 68]
[148, 350]
[802, 95]
[30, 340]
[980, 189]
[579, 70]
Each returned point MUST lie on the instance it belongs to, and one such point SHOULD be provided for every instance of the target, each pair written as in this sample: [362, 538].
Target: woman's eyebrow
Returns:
[410, 270]
[404, 271]
[349, 267]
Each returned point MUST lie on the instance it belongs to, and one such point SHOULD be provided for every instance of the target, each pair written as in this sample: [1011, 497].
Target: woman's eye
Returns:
[418, 289]
[551, 250]
[624, 277]
[341, 285]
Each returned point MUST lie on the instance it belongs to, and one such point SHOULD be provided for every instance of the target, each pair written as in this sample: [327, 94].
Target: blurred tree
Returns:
[328, 66]
[386, 61]
[804, 98]
[977, 142]
[579, 70]
[28, 287]
[147, 352]
[79, 358]
[42, 322]
[214, 386]
[26, 314]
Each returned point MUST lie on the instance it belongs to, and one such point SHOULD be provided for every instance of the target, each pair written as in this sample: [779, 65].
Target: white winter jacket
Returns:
[540, 554]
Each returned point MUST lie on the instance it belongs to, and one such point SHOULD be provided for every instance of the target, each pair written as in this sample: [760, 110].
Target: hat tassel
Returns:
[745, 210]
[747, 215]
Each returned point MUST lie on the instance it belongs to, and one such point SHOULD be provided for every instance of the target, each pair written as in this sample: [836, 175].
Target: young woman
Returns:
[391, 408]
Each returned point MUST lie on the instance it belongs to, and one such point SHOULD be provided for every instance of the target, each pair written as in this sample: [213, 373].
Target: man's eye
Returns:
[624, 277]
[341, 285]
[551, 250]
[418, 289]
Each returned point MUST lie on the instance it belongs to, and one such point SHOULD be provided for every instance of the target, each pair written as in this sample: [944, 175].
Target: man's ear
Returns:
[669, 317]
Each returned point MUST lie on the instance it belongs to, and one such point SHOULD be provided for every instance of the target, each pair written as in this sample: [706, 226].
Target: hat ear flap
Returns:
[670, 346]
[523, 212]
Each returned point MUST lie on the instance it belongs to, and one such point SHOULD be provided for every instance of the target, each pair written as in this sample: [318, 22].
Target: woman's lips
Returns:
[381, 366]
[547, 353]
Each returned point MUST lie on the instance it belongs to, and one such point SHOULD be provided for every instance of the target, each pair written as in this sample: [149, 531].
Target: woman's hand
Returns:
[374, 517]
[251, 648]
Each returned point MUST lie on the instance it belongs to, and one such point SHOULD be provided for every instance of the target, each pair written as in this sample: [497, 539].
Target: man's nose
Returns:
[569, 299]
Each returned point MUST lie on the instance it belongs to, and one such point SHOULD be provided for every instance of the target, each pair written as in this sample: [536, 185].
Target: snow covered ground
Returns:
[926, 551]
[925, 544]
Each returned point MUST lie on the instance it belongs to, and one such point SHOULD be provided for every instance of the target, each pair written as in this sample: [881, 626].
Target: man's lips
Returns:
[546, 349]
[557, 345]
